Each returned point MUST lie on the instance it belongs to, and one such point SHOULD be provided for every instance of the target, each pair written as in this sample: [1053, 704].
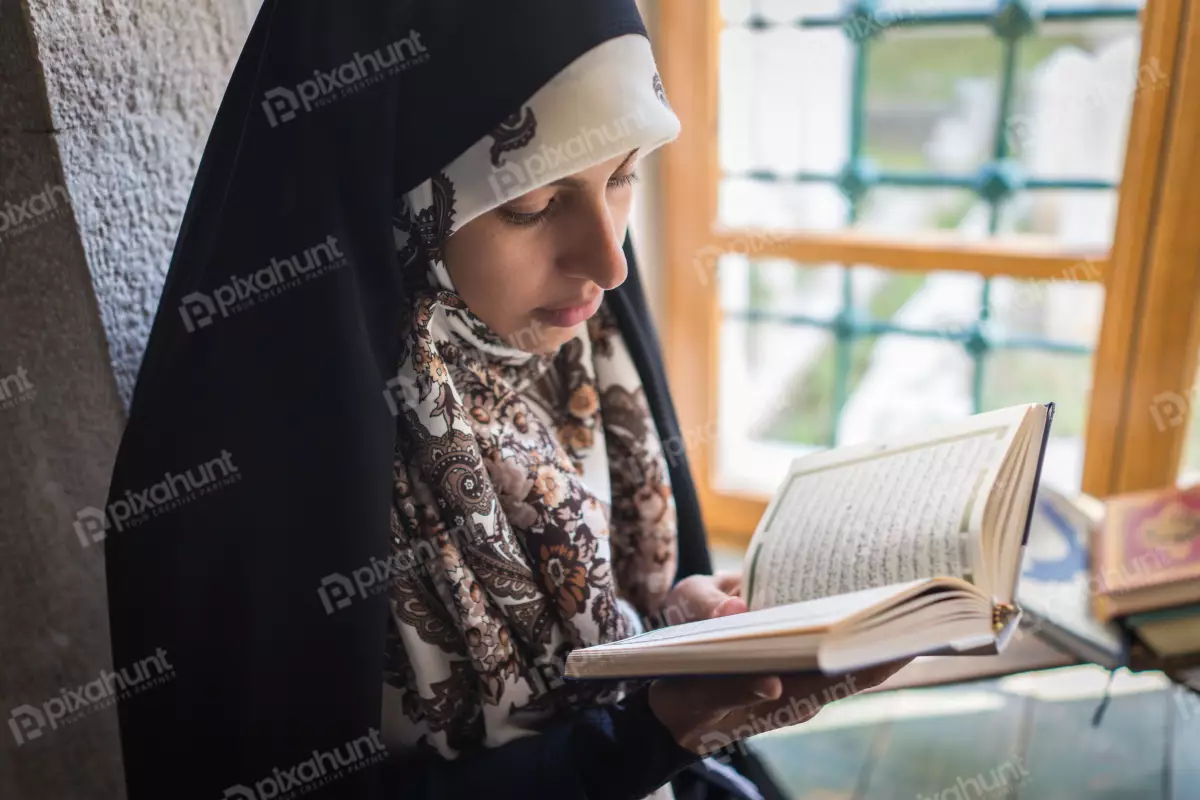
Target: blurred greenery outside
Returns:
[915, 68]
[928, 63]
[810, 415]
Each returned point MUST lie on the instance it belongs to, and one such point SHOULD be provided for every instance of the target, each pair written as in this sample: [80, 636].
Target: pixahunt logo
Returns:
[92, 524]
[338, 591]
[199, 309]
[30, 722]
[514, 178]
[325, 767]
[282, 104]
[17, 218]
[16, 389]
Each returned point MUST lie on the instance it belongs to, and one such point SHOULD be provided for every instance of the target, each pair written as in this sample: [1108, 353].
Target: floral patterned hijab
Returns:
[532, 510]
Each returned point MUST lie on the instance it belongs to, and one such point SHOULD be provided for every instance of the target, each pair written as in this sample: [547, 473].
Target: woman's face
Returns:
[537, 267]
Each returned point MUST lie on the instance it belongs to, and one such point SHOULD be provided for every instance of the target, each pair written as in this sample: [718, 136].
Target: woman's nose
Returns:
[597, 254]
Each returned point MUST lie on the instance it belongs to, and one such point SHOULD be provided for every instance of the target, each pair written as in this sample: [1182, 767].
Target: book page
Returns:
[888, 514]
[816, 615]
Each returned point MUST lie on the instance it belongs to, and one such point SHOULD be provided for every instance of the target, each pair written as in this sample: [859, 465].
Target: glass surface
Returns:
[931, 97]
[774, 379]
[1067, 311]
[914, 348]
[1011, 377]
[779, 286]
[759, 366]
[907, 367]
[784, 99]
[1073, 98]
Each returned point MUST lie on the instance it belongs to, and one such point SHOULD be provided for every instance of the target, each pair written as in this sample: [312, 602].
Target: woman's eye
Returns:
[528, 218]
[617, 181]
[524, 218]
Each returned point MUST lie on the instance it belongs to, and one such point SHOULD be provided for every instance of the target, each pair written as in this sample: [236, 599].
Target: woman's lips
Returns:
[570, 316]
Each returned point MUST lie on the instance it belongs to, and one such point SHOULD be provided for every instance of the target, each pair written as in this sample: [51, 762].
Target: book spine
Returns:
[1037, 475]
[1001, 614]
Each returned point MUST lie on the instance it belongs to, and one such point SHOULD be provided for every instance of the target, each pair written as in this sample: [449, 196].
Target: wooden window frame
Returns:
[1150, 328]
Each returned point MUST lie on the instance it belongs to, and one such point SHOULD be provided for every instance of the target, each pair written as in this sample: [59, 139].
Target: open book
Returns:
[868, 554]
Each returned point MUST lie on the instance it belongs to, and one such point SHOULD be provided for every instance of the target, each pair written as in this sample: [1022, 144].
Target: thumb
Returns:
[730, 605]
[704, 597]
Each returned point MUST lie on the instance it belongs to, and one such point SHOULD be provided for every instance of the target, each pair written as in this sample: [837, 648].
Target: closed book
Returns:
[1169, 631]
[1147, 553]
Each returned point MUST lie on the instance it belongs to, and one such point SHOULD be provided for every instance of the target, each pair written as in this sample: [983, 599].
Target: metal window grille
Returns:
[1012, 22]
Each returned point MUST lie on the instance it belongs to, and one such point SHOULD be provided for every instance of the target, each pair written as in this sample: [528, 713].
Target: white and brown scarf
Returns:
[532, 503]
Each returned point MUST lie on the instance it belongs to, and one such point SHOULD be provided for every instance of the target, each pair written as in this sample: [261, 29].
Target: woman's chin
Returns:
[554, 340]
[542, 339]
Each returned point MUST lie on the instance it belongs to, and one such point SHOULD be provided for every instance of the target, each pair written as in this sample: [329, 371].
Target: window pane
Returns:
[931, 98]
[932, 152]
[1029, 376]
[761, 358]
[893, 210]
[914, 354]
[758, 368]
[1062, 312]
[778, 286]
[1074, 96]
[1073, 218]
[769, 116]
[759, 204]
[907, 383]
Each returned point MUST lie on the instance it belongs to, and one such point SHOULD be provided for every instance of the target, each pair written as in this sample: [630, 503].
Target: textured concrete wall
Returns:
[133, 87]
[59, 420]
[104, 111]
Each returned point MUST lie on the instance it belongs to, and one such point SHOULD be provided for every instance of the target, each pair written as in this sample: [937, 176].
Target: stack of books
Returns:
[1146, 575]
[1114, 583]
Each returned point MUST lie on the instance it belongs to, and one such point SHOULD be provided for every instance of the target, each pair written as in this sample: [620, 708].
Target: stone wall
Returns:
[133, 87]
[104, 111]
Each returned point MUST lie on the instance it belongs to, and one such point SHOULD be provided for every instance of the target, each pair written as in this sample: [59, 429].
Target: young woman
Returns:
[396, 446]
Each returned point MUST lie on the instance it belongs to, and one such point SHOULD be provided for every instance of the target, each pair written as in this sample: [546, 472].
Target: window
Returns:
[880, 219]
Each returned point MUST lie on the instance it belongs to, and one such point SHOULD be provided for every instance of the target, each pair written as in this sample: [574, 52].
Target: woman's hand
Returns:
[702, 597]
[705, 714]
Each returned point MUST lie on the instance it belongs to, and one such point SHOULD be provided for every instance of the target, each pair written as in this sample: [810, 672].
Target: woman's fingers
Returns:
[813, 690]
[722, 694]
[694, 709]
[730, 605]
[871, 678]
[804, 694]
[699, 596]
[729, 581]
[701, 711]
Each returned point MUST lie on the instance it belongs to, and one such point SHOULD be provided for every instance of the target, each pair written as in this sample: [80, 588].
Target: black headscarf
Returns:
[258, 452]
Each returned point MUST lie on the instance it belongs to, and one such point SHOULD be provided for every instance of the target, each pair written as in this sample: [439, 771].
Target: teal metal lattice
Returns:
[862, 22]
